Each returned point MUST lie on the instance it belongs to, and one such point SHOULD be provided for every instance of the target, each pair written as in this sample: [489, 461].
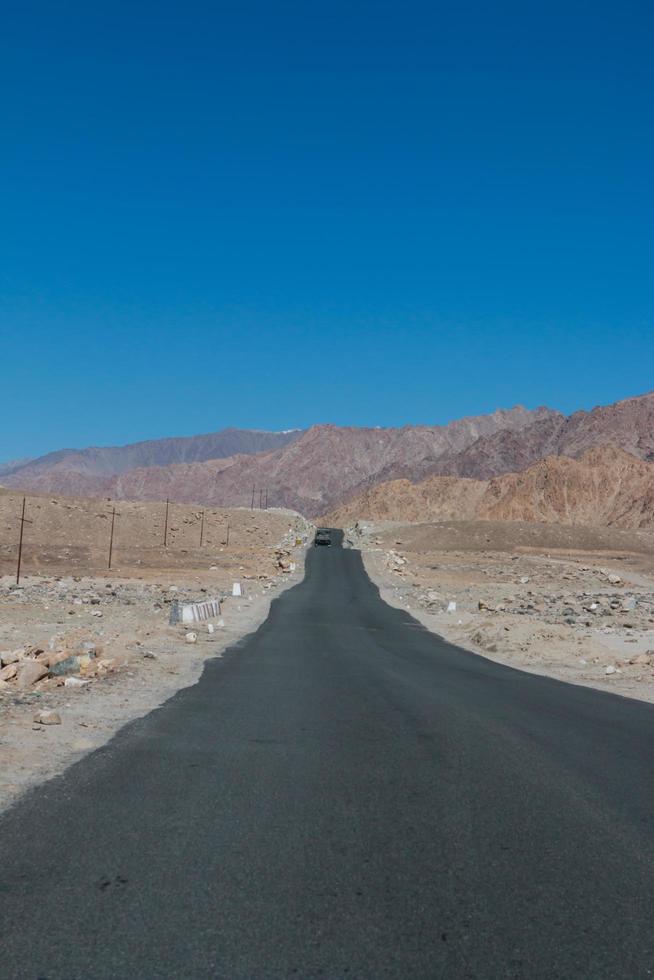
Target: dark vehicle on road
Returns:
[323, 536]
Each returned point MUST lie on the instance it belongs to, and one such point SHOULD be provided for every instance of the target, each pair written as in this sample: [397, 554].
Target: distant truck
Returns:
[323, 536]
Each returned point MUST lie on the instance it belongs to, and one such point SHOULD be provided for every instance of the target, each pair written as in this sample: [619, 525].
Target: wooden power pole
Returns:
[23, 522]
[111, 536]
[166, 524]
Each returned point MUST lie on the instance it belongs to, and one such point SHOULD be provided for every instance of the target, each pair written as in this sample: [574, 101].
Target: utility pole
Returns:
[166, 525]
[227, 540]
[266, 498]
[23, 522]
[260, 498]
[252, 505]
[202, 530]
[111, 536]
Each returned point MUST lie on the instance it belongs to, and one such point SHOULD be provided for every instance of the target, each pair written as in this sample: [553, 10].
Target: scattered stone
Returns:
[611, 670]
[9, 672]
[67, 663]
[640, 658]
[191, 637]
[29, 672]
[10, 657]
[47, 718]
[75, 682]
[613, 578]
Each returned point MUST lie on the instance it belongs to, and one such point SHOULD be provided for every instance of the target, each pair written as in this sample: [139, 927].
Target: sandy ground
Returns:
[572, 603]
[131, 658]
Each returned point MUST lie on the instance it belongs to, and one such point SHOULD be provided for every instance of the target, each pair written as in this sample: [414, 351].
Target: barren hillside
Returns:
[627, 424]
[313, 470]
[72, 535]
[606, 487]
[325, 467]
[89, 470]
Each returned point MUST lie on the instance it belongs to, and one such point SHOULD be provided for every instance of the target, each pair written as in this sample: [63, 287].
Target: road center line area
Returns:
[344, 794]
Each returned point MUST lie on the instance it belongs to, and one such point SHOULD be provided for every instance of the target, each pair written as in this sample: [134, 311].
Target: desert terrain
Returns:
[575, 603]
[85, 649]
[325, 467]
[605, 487]
[534, 529]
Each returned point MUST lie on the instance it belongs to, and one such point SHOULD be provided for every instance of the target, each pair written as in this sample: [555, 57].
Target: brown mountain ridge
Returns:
[312, 471]
[605, 487]
[325, 467]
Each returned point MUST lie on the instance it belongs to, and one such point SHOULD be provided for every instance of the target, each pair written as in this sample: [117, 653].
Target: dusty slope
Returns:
[329, 462]
[628, 424]
[314, 470]
[606, 487]
[326, 466]
[78, 470]
[72, 535]
[438, 498]
[13, 464]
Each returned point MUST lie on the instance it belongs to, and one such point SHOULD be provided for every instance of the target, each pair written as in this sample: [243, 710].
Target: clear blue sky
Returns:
[269, 214]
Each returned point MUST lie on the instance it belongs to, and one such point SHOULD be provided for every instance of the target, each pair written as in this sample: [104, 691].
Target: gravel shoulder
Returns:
[573, 606]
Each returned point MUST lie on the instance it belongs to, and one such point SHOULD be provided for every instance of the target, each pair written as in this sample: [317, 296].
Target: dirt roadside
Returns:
[572, 603]
[104, 643]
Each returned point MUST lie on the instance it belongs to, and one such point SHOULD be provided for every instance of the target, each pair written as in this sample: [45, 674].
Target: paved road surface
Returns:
[344, 796]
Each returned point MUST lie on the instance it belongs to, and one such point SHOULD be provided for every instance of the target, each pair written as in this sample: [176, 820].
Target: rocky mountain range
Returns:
[91, 471]
[325, 467]
[628, 424]
[14, 464]
[309, 472]
[605, 486]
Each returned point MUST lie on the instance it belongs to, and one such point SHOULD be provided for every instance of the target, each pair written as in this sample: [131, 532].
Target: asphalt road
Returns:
[344, 795]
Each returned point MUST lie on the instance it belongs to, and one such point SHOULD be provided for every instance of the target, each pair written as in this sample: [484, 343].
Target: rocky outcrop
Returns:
[627, 424]
[605, 487]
